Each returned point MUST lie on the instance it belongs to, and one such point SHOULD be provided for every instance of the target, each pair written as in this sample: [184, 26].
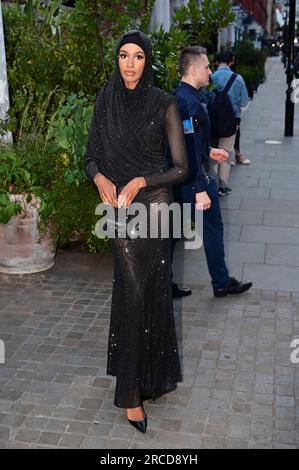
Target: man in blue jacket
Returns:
[201, 189]
[238, 95]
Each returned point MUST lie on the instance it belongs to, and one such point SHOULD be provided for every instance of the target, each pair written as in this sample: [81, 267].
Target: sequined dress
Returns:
[142, 347]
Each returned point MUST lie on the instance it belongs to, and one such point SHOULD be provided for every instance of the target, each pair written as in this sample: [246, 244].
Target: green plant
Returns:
[250, 63]
[12, 172]
[18, 175]
[202, 22]
[8, 208]
[34, 68]
[67, 134]
[246, 54]
[166, 50]
[249, 75]
[48, 15]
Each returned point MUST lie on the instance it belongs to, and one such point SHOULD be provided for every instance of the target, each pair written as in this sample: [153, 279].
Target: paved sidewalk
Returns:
[240, 388]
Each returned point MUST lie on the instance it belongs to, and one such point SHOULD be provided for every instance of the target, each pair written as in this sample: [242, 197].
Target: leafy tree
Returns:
[202, 22]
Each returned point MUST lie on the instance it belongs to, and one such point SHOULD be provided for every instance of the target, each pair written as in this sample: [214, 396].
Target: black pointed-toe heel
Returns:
[140, 425]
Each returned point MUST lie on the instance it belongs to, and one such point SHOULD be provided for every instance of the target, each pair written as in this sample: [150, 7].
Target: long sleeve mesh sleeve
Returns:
[93, 149]
[176, 140]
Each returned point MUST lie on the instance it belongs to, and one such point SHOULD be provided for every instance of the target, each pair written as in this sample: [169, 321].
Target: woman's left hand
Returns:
[130, 191]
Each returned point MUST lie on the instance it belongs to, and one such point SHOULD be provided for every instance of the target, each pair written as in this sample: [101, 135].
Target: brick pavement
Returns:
[239, 386]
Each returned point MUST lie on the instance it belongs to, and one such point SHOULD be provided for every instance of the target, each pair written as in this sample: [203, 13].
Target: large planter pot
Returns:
[22, 249]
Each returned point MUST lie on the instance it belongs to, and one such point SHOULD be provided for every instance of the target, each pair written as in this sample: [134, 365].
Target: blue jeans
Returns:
[212, 231]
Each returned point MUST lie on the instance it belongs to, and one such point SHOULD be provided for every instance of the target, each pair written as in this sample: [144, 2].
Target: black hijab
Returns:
[121, 115]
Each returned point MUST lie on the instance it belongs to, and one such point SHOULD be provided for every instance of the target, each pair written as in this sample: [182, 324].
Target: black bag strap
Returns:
[229, 83]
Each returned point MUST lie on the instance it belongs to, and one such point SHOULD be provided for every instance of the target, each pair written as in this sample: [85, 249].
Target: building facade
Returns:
[163, 12]
[256, 18]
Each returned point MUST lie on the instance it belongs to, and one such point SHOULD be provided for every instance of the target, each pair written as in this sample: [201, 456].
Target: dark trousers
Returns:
[238, 135]
[212, 232]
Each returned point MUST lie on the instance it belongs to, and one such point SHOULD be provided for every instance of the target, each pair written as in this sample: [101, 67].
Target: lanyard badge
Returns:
[188, 126]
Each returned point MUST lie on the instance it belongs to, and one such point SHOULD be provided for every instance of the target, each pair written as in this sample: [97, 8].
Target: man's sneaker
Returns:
[224, 191]
[233, 163]
[241, 160]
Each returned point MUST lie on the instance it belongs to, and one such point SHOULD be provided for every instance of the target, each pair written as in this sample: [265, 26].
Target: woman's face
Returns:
[131, 61]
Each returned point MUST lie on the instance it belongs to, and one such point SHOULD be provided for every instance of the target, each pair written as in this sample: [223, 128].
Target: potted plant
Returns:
[26, 202]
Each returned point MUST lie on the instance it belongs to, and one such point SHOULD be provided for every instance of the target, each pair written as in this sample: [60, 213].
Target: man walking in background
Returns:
[238, 96]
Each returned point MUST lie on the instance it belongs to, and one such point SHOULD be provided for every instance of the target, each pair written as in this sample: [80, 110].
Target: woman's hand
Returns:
[203, 202]
[219, 155]
[106, 189]
[130, 191]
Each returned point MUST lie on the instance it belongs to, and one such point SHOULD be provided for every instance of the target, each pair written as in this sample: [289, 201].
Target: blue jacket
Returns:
[238, 91]
[197, 133]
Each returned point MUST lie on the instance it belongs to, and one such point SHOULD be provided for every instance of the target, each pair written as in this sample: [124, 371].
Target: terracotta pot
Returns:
[22, 251]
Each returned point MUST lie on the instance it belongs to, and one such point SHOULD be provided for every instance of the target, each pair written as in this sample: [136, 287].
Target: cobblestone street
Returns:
[240, 389]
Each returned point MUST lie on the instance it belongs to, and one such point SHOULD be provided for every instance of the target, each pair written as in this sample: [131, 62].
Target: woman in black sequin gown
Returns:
[133, 123]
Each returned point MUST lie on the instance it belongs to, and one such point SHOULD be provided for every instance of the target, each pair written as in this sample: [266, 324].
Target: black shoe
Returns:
[140, 425]
[177, 292]
[222, 192]
[234, 287]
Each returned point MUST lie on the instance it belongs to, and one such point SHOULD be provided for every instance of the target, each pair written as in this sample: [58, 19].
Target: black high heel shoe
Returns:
[140, 425]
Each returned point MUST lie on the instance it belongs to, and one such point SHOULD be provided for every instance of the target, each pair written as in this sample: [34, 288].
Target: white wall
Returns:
[4, 98]
[161, 15]
[163, 12]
